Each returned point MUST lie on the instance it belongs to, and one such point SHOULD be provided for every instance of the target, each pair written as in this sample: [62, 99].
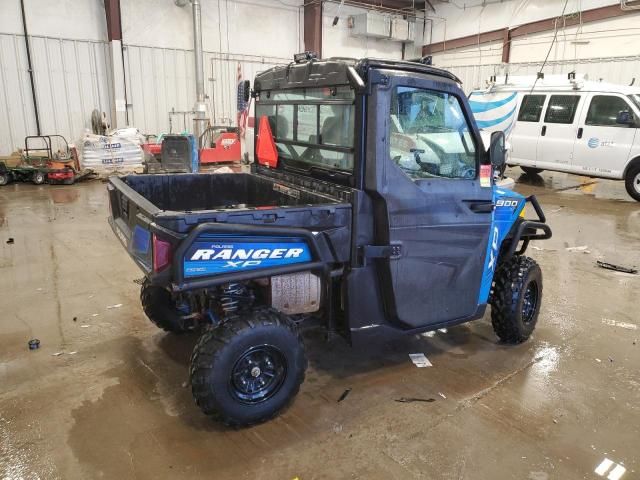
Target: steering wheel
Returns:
[438, 150]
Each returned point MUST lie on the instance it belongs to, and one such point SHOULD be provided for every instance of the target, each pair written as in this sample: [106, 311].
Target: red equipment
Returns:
[65, 176]
[221, 144]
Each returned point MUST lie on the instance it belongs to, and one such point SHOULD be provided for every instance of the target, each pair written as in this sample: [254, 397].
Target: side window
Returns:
[562, 108]
[531, 108]
[604, 110]
[429, 135]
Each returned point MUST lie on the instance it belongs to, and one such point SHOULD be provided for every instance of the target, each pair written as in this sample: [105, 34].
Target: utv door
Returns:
[430, 204]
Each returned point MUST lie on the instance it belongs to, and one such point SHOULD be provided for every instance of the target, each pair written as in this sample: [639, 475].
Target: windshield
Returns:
[635, 98]
[312, 127]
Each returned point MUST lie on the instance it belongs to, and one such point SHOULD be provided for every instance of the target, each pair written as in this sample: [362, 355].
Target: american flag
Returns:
[243, 107]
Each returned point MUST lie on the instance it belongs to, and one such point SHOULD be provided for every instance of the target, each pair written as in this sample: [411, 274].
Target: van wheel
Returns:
[632, 182]
[249, 369]
[531, 170]
[4, 179]
[38, 178]
[161, 309]
[516, 298]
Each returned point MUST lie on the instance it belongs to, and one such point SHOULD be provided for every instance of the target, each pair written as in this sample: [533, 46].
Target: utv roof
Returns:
[336, 71]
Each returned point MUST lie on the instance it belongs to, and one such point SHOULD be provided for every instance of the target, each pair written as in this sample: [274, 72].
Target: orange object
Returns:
[266, 151]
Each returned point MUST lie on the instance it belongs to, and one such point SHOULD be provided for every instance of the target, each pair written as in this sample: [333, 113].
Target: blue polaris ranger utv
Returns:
[370, 207]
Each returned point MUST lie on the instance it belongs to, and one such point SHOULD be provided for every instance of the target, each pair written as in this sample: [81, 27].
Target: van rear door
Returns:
[603, 146]
[559, 131]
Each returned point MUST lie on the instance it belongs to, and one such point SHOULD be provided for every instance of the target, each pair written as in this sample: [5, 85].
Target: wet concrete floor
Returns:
[114, 403]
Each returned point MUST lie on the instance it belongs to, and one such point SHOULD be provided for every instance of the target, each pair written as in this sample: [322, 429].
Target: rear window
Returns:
[531, 108]
[562, 108]
[312, 126]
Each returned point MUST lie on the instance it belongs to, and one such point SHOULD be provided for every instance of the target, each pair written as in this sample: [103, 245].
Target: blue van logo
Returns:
[593, 143]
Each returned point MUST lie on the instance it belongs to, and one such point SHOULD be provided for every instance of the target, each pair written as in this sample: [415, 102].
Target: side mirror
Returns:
[497, 150]
[624, 117]
[246, 90]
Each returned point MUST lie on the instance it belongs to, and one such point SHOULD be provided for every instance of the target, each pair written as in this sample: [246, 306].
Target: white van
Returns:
[566, 124]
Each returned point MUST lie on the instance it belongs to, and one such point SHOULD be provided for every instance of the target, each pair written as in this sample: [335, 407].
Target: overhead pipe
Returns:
[200, 106]
[33, 84]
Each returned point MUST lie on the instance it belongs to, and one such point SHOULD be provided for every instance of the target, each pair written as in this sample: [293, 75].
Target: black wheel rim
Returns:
[258, 374]
[530, 302]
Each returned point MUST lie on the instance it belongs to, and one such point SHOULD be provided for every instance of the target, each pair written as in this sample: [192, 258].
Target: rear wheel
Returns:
[531, 170]
[249, 369]
[161, 309]
[632, 182]
[4, 179]
[516, 298]
[38, 178]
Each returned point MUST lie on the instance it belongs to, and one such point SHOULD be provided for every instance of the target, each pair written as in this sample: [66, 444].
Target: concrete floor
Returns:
[114, 405]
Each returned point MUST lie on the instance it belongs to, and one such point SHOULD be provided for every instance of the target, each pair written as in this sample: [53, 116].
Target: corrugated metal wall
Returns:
[160, 80]
[71, 78]
[619, 70]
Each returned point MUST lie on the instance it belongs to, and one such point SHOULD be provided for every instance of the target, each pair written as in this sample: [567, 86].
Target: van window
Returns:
[531, 108]
[604, 110]
[562, 109]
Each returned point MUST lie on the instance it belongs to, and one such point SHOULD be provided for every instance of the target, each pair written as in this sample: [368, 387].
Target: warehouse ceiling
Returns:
[408, 5]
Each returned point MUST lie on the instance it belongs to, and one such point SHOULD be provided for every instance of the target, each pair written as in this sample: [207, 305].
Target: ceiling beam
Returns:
[112, 11]
[548, 24]
[313, 28]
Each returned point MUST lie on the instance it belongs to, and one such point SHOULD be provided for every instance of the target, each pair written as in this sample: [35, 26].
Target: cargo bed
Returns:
[172, 206]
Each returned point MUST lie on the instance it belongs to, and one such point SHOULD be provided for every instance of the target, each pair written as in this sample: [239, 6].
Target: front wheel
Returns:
[38, 178]
[531, 170]
[4, 179]
[632, 182]
[249, 369]
[516, 298]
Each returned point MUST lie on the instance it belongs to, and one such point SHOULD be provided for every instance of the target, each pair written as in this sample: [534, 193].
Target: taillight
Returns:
[161, 254]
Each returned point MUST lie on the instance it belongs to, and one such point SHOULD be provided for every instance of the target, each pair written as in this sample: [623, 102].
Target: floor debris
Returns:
[581, 248]
[117, 305]
[598, 360]
[57, 354]
[615, 323]
[139, 281]
[420, 360]
[429, 334]
[606, 465]
[34, 344]
[344, 395]
[10, 241]
[85, 326]
[442, 395]
[616, 268]
[411, 400]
